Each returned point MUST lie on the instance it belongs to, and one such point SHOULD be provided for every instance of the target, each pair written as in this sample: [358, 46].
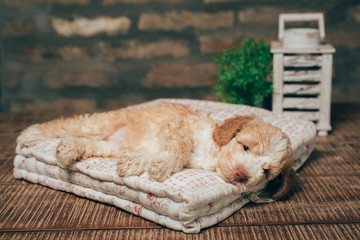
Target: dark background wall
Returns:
[103, 54]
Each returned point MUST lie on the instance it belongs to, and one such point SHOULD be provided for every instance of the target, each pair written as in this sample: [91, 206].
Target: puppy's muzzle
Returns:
[240, 175]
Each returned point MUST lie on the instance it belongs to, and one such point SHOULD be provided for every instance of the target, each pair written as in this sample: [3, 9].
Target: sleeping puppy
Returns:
[163, 139]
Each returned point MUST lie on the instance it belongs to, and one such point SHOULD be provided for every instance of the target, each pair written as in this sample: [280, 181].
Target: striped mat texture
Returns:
[325, 205]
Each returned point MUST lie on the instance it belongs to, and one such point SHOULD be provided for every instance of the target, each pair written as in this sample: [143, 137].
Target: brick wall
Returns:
[85, 55]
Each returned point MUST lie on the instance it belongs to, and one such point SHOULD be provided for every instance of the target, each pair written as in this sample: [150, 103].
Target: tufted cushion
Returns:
[189, 201]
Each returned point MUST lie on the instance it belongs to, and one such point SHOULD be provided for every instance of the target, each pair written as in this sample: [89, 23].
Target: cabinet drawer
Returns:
[302, 60]
[311, 116]
[302, 76]
[301, 103]
[301, 89]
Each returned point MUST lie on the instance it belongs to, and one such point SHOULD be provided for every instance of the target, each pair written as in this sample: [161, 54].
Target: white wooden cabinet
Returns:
[302, 71]
[302, 79]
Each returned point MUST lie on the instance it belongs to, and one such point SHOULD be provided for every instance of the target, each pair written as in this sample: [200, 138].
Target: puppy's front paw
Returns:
[160, 169]
[130, 164]
[68, 151]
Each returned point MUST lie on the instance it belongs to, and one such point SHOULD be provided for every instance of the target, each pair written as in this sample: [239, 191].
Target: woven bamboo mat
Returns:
[325, 205]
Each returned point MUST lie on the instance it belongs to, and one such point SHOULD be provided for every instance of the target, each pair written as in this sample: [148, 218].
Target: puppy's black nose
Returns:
[240, 175]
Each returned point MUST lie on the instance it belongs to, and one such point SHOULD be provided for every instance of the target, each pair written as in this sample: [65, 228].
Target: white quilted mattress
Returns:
[189, 201]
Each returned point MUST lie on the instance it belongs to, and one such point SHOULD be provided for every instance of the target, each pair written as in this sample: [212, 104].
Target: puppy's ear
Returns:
[226, 131]
[287, 181]
[287, 177]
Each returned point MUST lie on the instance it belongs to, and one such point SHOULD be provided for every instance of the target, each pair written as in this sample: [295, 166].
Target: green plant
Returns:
[242, 74]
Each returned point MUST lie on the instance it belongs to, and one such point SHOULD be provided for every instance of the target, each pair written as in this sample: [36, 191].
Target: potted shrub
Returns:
[243, 72]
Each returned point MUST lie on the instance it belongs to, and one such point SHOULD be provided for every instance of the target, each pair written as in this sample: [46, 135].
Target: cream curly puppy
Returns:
[163, 139]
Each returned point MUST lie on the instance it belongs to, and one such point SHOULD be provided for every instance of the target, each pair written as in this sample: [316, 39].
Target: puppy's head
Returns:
[252, 153]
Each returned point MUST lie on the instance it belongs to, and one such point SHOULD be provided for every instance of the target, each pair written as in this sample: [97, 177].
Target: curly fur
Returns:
[163, 139]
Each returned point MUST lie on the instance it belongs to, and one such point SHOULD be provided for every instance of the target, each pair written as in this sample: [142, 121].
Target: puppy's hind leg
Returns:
[97, 126]
[71, 149]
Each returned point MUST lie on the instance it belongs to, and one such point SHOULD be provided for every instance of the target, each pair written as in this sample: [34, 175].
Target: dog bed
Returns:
[189, 201]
